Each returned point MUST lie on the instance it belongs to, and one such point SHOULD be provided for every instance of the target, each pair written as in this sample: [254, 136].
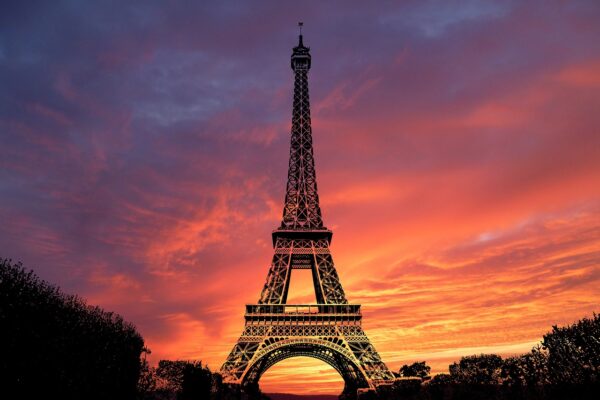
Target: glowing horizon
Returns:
[457, 154]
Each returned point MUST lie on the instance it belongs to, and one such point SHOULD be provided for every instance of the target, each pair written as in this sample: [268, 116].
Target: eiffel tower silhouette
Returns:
[329, 330]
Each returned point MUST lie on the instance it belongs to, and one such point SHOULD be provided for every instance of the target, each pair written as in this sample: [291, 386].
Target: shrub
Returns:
[57, 345]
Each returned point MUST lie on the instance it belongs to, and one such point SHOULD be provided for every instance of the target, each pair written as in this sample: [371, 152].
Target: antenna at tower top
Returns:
[300, 44]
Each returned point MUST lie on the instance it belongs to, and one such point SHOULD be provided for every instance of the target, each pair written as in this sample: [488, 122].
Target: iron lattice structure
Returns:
[329, 330]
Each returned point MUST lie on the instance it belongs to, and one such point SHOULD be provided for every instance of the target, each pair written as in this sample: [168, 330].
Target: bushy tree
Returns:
[418, 369]
[57, 345]
[574, 352]
[483, 369]
[526, 370]
[188, 379]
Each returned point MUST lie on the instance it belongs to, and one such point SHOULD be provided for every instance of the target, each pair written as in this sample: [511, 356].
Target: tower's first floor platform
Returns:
[329, 332]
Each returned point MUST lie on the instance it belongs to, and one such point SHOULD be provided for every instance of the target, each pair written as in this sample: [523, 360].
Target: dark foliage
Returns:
[526, 370]
[188, 379]
[403, 388]
[418, 369]
[440, 380]
[147, 380]
[183, 380]
[56, 345]
[483, 369]
[574, 352]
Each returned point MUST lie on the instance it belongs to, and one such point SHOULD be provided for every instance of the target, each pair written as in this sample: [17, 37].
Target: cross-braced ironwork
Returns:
[301, 210]
[329, 330]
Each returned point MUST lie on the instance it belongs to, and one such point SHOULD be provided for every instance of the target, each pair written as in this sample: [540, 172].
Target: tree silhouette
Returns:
[188, 379]
[574, 352]
[56, 345]
[147, 385]
[526, 370]
[418, 369]
[483, 369]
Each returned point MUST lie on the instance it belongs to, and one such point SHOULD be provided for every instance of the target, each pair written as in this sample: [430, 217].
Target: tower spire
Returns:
[301, 210]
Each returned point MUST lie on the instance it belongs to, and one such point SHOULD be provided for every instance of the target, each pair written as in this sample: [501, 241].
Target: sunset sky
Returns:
[457, 146]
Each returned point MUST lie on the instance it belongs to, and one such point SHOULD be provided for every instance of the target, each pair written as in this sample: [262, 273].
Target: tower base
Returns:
[329, 332]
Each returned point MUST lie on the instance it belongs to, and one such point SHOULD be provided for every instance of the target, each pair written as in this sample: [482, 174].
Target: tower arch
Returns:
[337, 356]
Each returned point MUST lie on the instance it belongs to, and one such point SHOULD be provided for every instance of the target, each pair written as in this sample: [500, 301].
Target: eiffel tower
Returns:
[329, 330]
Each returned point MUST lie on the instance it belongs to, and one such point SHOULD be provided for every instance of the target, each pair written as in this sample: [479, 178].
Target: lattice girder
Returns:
[301, 209]
[309, 254]
[345, 348]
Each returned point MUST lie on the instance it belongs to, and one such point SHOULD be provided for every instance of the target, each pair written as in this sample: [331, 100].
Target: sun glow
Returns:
[302, 375]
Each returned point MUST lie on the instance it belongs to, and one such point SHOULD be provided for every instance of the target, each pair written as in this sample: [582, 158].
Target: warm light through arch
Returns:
[302, 375]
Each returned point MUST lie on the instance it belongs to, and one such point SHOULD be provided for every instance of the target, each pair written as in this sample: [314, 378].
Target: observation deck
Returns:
[302, 313]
